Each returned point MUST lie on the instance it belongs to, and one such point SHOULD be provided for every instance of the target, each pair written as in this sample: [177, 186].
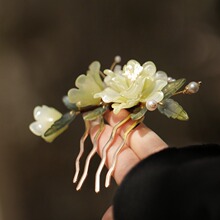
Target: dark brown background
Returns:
[45, 45]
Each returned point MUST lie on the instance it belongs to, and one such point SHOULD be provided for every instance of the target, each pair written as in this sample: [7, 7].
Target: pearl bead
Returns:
[117, 59]
[192, 87]
[170, 79]
[151, 105]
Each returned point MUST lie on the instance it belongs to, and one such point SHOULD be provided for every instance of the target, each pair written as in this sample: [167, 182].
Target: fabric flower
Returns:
[88, 85]
[45, 117]
[132, 85]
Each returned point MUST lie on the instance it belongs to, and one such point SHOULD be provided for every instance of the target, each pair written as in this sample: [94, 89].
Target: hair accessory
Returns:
[137, 88]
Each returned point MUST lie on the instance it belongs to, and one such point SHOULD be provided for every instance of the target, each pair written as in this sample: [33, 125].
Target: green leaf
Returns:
[65, 120]
[138, 113]
[171, 88]
[92, 115]
[172, 109]
[69, 105]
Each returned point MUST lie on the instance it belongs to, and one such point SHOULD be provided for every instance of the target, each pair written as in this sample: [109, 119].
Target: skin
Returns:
[141, 143]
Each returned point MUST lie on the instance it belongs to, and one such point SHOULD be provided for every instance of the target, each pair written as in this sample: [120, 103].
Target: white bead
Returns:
[117, 59]
[192, 87]
[151, 105]
[170, 79]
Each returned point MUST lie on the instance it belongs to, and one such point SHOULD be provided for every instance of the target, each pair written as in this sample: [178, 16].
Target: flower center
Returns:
[132, 72]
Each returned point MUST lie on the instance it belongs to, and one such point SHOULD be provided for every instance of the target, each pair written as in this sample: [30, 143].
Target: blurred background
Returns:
[46, 44]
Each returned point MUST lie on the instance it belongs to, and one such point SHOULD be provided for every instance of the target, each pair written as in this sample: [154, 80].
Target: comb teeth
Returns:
[115, 156]
[82, 143]
[104, 152]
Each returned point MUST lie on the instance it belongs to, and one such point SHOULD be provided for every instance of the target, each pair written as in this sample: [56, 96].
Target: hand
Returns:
[141, 143]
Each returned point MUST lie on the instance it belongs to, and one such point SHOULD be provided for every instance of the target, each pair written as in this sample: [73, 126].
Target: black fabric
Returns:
[176, 183]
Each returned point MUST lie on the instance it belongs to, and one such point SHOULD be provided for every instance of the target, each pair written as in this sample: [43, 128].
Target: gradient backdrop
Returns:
[46, 44]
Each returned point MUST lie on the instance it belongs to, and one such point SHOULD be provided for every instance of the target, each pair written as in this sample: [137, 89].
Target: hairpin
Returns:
[137, 88]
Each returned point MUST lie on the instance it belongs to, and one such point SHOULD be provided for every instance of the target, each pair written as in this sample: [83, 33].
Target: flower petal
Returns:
[161, 75]
[117, 107]
[132, 70]
[45, 116]
[93, 71]
[108, 95]
[37, 112]
[88, 85]
[46, 113]
[135, 89]
[82, 98]
[36, 128]
[156, 96]
[149, 68]
[115, 80]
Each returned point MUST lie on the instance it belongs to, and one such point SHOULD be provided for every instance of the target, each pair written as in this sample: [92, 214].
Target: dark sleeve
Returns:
[176, 183]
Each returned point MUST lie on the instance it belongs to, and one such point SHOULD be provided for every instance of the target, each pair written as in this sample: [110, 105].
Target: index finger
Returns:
[142, 140]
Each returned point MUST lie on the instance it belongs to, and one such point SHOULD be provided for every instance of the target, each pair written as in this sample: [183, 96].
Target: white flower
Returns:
[88, 85]
[132, 85]
[45, 116]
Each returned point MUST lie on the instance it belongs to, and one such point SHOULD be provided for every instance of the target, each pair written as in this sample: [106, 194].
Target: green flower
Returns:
[45, 117]
[132, 85]
[88, 85]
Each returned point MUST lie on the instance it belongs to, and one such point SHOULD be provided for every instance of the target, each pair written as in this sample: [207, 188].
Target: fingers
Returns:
[126, 158]
[141, 143]
[145, 142]
[142, 140]
[108, 214]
